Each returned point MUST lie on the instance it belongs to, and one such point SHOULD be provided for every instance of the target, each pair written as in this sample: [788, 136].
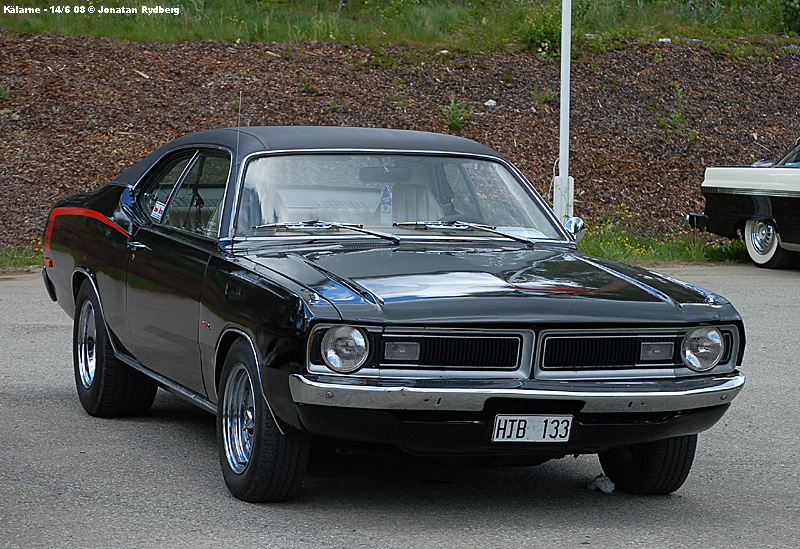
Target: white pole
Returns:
[563, 189]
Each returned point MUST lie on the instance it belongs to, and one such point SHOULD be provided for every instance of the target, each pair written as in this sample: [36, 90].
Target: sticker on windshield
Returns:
[158, 211]
[386, 206]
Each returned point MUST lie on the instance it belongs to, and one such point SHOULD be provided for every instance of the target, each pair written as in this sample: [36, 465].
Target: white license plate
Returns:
[530, 428]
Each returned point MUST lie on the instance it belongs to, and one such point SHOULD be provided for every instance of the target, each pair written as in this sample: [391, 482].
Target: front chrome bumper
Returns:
[660, 395]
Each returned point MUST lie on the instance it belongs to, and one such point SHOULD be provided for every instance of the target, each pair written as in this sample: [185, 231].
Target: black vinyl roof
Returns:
[295, 138]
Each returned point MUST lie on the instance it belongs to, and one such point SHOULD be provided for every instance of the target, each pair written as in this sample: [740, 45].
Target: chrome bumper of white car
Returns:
[465, 395]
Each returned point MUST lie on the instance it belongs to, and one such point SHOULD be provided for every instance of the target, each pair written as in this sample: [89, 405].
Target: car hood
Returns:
[473, 286]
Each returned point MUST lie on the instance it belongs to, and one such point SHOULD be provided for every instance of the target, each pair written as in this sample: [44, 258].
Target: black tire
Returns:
[259, 463]
[761, 240]
[106, 386]
[652, 468]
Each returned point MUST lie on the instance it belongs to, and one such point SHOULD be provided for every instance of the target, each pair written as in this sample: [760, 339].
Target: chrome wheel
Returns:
[106, 387]
[763, 244]
[87, 346]
[238, 418]
[259, 462]
[762, 237]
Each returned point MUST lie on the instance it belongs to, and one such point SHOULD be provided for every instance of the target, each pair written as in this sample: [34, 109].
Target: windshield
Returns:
[792, 158]
[388, 193]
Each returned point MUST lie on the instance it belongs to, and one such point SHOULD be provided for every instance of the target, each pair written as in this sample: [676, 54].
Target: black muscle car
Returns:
[380, 288]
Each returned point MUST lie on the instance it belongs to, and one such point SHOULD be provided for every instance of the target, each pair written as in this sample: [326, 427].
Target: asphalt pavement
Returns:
[68, 479]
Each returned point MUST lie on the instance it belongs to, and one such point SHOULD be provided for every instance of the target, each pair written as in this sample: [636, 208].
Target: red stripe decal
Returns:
[82, 212]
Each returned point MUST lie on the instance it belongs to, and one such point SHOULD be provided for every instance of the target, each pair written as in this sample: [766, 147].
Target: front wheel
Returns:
[651, 468]
[761, 239]
[259, 463]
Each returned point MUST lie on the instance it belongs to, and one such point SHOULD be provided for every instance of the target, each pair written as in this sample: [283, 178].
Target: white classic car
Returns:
[759, 202]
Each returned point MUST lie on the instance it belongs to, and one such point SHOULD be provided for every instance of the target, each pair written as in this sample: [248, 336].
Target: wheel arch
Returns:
[226, 341]
[79, 275]
[756, 217]
[741, 222]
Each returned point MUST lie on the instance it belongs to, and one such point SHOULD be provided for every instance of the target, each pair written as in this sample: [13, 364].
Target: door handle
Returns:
[134, 246]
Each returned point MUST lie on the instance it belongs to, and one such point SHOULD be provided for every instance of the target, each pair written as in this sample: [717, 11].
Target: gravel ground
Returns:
[81, 110]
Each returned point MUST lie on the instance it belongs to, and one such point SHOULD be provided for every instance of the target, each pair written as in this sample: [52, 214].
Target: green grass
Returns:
[456, 25]
[259, 21]
[616, 236]
[541, 96]
[16, 259]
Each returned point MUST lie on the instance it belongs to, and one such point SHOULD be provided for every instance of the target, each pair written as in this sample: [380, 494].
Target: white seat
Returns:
[414, 203]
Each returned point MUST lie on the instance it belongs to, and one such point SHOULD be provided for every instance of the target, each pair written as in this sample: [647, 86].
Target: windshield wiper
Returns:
[323, 226]
[463, 225]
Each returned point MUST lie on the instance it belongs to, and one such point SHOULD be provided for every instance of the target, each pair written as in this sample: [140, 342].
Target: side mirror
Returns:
[576, 227]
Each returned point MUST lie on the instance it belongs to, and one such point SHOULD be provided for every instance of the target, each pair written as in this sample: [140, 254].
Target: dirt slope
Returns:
[90, 107]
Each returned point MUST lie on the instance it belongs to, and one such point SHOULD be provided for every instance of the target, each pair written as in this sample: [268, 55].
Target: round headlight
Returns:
[702, 348]
[345, 349]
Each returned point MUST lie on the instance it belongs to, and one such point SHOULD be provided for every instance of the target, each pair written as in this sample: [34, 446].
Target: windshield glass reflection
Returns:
[388, 193]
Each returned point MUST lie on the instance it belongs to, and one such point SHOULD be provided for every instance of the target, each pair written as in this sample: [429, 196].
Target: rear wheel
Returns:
[259, 463]
[652, 468]
[106, 387]
[761, 239]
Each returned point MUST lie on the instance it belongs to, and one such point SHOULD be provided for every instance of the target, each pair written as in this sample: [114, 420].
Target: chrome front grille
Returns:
[555, 354]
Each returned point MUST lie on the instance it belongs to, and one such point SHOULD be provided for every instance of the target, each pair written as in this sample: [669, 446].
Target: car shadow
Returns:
[374, 478]
[395, 486]
[372, 475]
[168, 407]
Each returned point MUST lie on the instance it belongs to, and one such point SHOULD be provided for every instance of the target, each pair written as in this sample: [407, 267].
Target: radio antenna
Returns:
[239, 125]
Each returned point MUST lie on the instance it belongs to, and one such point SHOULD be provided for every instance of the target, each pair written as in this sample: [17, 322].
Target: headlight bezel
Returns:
[707, 338]
[331, 350]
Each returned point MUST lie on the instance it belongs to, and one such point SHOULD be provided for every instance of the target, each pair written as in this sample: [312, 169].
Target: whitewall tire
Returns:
[761, 239]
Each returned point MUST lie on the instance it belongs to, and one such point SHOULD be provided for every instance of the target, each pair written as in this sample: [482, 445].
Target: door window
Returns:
[154, 200]
[197, 204]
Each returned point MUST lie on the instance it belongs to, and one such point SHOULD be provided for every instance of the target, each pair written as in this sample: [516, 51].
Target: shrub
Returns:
[541, 28]
[456, 113]
[790, 10]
